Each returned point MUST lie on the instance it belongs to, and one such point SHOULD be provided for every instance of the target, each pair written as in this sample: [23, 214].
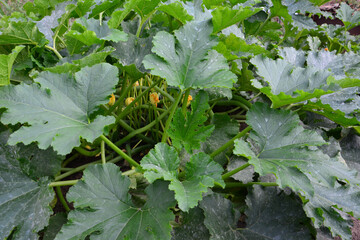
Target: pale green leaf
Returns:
[289, 83]
[188, 61]
[6, 63]
[349, 16]
[60, 111]
[189, 131]
[104, 210]
[118, 16]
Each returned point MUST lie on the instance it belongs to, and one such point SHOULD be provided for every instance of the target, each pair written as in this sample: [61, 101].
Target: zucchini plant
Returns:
[149, 119]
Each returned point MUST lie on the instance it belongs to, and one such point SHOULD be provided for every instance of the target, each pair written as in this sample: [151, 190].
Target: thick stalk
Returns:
[62, 199]
[230, 143]
[236, 170]
[82, 167]
[103, 159]
[63, 183]
[120, 152]
[168, 121]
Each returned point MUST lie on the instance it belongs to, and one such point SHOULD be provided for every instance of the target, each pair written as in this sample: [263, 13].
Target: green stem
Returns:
[62, 199]
[237, 184]
[232, 103]
[236, 170]
[168, 121]
[243, 100]
[67, 161]
[87, 153]
[120, 152]
[122, 96]
[82, 167]
[143, 129]
[103, 159]
[63, 183]
[128, 108]
[55, 51]
[230, 143]
[262, 25]
[184, 104]
[164, 93]
[128, 128]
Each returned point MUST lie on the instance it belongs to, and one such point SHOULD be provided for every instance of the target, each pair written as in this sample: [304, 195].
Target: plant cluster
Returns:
[213, 119]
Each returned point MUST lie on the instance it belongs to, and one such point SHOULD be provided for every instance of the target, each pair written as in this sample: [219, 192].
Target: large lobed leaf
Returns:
[288, 83]
[61, 110]
[284, 148]
[189, 132]
[188, 61]
[201, 172]
[24, 202]
[104, 210]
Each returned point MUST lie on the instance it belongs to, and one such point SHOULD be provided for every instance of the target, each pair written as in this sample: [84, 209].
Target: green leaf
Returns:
[46, 24]
[77, 61]
[282, 149]
[288, 83]
[225, 129]
[189, 131]
[145, 7]
[22, 33]
[55, 224]
[268, 217]
[118, 16]
[91, 31]
[24, 203]
[224, 17]
[322, 207]
[344, 67]
[6, 63]
[201, 172]
[347, 15]
[103, 208]
[189, 62]
[243, 176]
[341, 107]
[350, 150]
[176, 10]
[192, 226]
[133, 51]
[60, 111]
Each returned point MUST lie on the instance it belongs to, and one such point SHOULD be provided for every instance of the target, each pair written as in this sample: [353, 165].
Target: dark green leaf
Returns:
[24, 203]
[55, 224]
[103, 208]
[192, 226]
